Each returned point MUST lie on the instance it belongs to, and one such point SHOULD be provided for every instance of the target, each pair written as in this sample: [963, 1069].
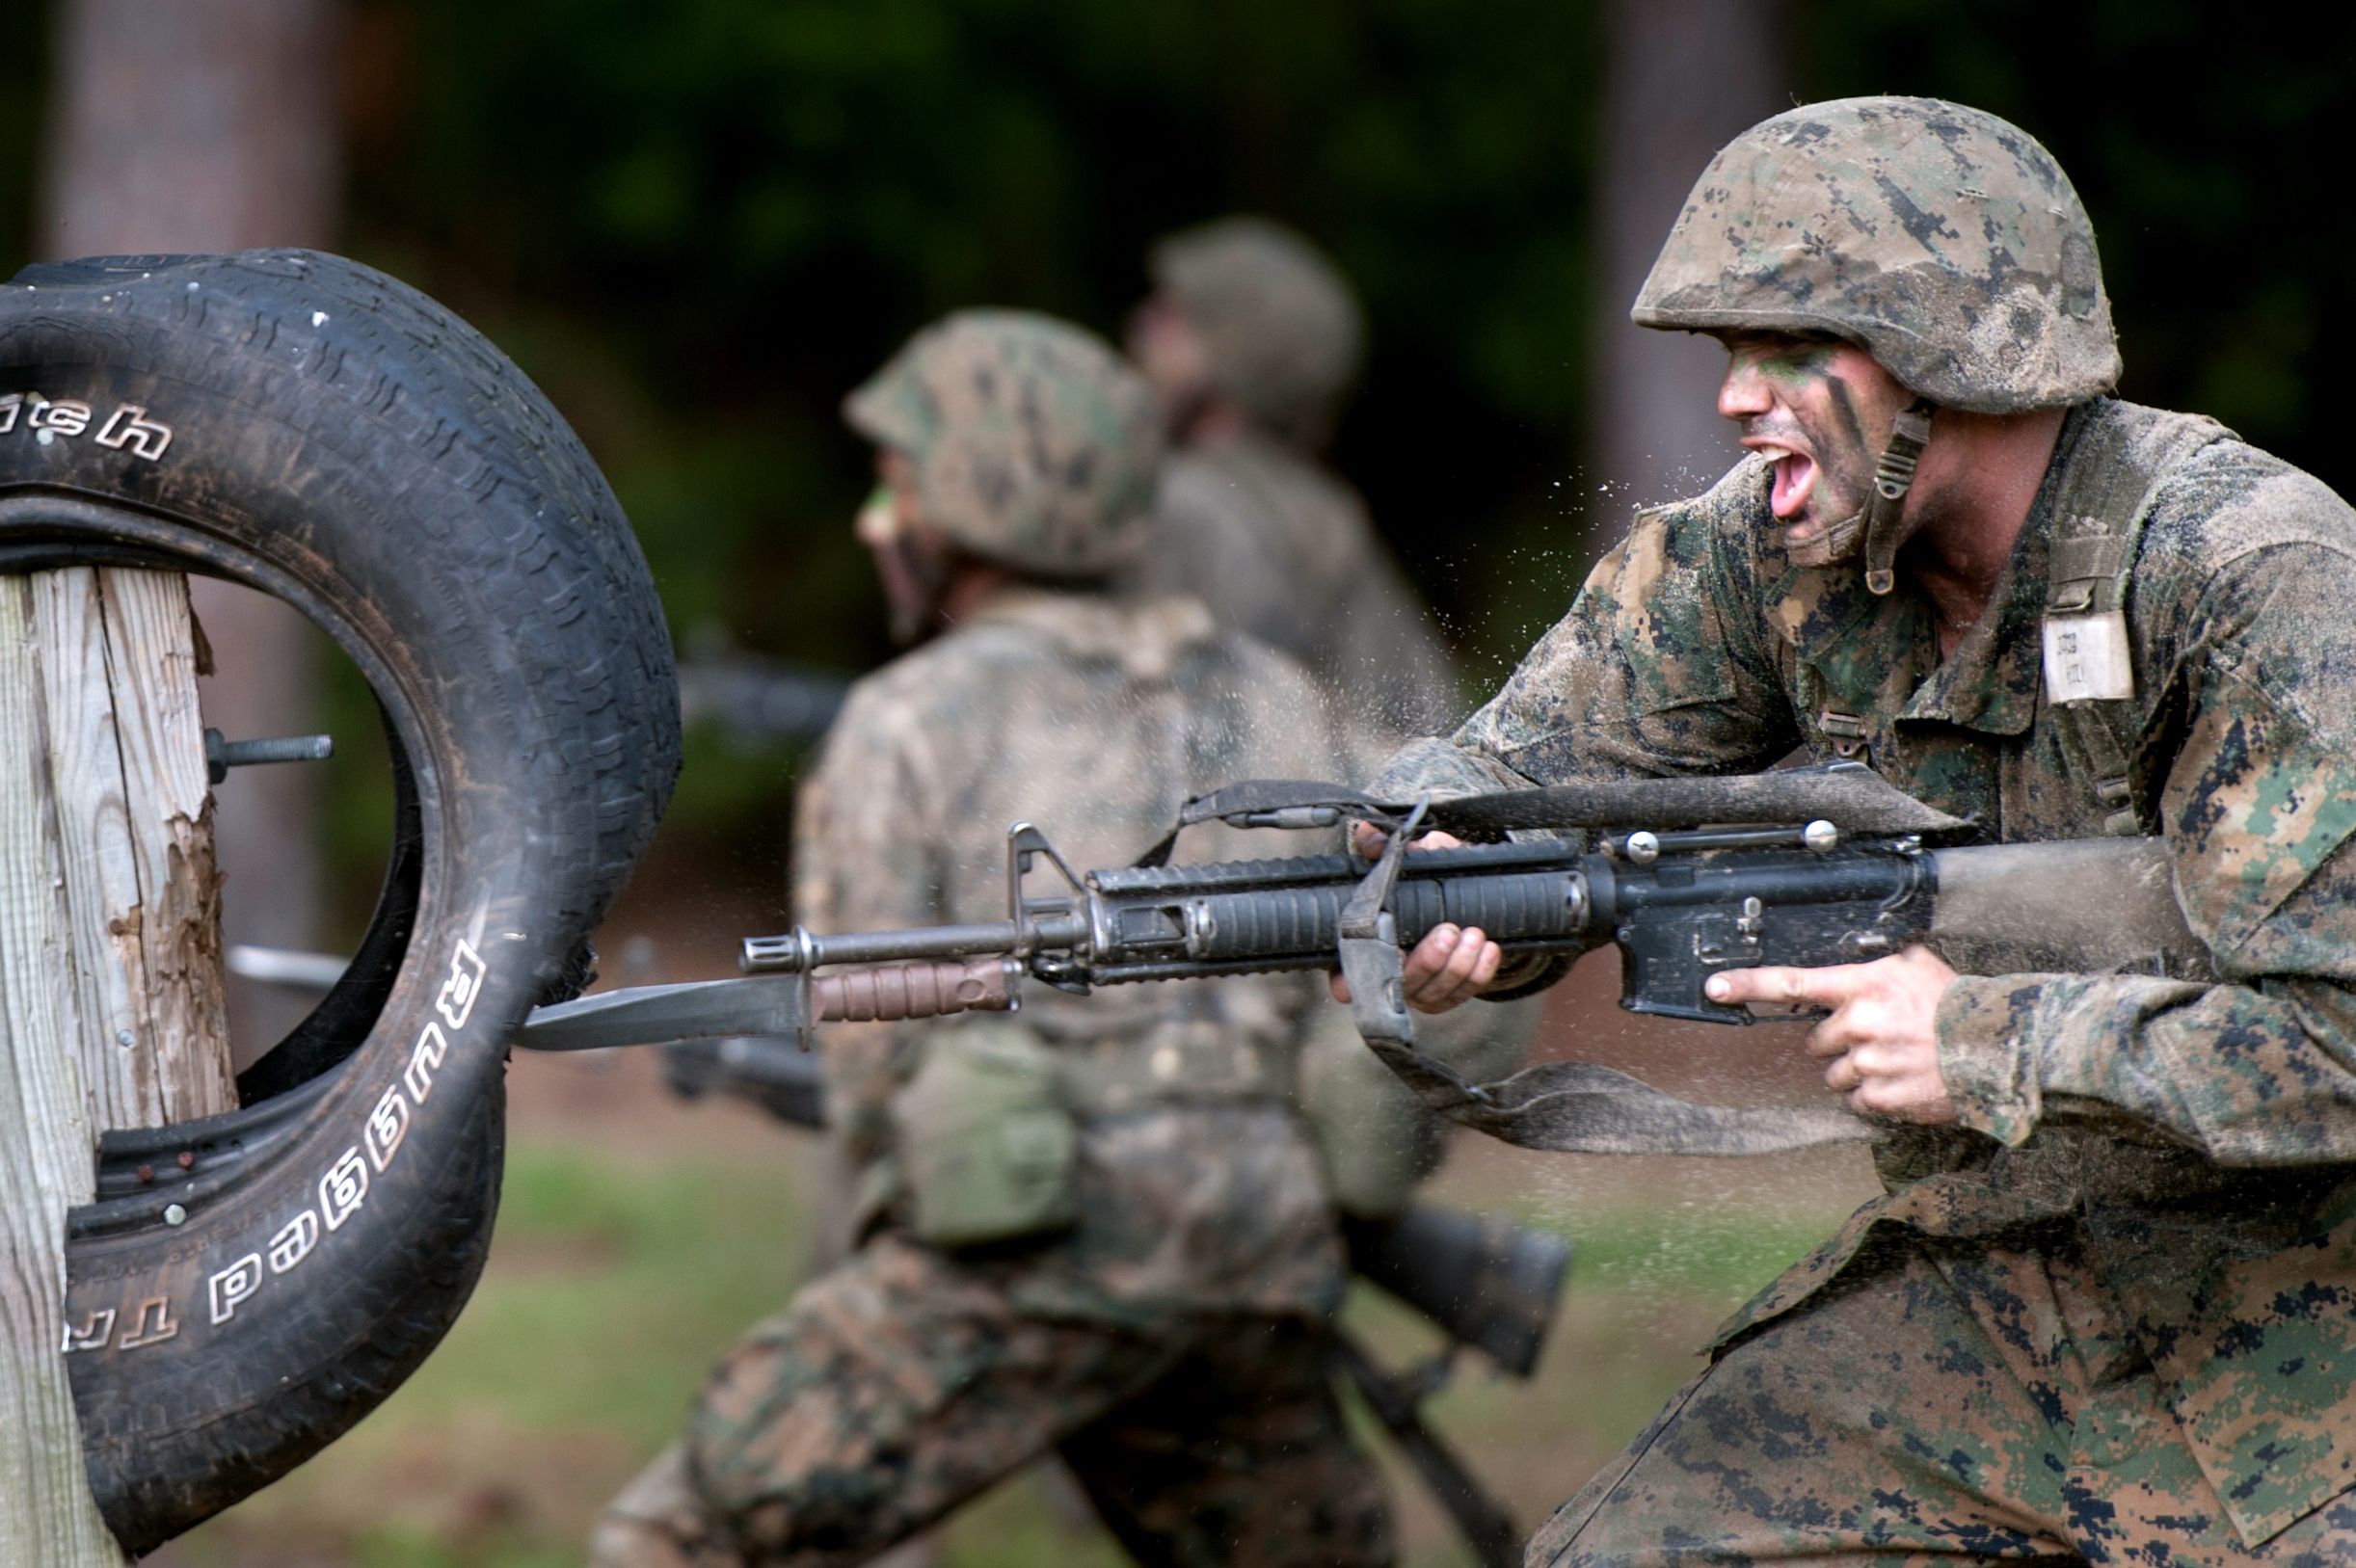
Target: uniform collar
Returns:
[1144, 636]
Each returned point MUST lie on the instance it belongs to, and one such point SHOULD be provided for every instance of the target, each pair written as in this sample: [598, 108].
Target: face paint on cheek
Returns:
[1850, 458]
[1830, 527]
[1844, 408]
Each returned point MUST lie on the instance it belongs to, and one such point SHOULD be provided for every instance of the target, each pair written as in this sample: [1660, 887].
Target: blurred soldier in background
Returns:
[1100, 1227]
[1250, 340]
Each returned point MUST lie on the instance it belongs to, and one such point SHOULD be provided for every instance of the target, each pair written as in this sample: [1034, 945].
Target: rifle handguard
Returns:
[887, 993]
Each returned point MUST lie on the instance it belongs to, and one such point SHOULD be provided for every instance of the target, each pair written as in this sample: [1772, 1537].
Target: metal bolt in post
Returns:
[222, 754]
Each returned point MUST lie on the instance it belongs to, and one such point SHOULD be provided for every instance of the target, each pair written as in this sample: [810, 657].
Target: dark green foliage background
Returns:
[699, 222]
[731, 212]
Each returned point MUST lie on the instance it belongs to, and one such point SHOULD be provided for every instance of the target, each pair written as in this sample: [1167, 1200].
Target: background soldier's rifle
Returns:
[759, 703]
[1488, 1284]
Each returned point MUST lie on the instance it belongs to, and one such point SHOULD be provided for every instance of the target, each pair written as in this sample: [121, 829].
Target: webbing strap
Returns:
[1566, 1107]
[2098, 530]
[1581, 1108]
[1852, 797]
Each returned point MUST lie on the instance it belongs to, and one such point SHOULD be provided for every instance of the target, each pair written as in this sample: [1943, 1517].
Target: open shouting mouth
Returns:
[1795, 480]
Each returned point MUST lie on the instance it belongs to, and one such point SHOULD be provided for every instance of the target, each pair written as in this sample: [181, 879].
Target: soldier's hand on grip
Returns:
[1882, 1037]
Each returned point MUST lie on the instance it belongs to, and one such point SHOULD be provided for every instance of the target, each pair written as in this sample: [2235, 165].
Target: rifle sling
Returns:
[1581, 1108]
[1853, 799]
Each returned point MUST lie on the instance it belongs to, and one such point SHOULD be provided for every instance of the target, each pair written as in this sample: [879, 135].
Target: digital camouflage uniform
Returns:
[2109, 1316]
[1165, 1339]
[1251, 523]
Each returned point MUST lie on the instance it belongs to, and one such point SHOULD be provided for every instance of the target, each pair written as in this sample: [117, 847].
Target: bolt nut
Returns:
[174, 1214]
[1644, 848]
[1820, 836]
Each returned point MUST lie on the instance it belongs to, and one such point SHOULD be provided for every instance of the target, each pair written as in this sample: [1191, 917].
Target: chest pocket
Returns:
[1843, 709]
[2090, 685]
[2089, 665]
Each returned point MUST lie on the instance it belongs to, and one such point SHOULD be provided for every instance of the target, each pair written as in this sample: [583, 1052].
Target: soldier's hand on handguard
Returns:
[1882, 1038]
[1453, 964]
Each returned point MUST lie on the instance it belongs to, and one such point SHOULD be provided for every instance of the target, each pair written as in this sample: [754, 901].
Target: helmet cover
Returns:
[1944, 241]
[1032, 442]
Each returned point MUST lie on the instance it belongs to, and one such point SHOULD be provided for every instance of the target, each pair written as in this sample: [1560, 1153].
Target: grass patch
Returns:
[616, 1280]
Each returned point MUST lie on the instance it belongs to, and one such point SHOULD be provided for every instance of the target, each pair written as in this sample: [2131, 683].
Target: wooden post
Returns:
[110, 1010]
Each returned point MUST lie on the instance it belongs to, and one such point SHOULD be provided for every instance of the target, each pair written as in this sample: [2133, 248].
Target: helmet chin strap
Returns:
[1892, 477]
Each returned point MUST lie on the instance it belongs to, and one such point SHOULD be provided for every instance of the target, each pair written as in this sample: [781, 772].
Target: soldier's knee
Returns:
[619, 1542]
[789, 1502]
[660, 1520]
[800, 1480]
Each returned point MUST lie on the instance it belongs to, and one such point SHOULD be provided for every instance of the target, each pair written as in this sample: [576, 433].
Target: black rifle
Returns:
[1687, 876]
[1490, 1285]
[1486, 1283]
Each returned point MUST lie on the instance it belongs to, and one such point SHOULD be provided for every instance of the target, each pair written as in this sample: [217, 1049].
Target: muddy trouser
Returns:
[901, 1384]
[1939, 1402]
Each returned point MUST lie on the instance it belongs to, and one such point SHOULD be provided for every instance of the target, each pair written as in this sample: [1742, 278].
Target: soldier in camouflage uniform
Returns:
[1099, 1226]
[2104, 1311]
[1251, 338]
[1250, 341]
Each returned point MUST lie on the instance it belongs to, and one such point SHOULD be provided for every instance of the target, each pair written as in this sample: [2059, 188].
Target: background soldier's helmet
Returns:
[1944, 241]
[1279, 326]
[1032, 441]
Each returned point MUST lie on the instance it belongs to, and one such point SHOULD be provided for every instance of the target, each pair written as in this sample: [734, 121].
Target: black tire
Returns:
[316, 430]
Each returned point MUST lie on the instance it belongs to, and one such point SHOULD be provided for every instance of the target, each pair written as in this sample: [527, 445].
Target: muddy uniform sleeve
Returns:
[2257, 809]
[863, 824]
[1661, 667]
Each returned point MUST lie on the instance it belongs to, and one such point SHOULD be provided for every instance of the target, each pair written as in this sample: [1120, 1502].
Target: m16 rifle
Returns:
[1486, 1283]
[1688, 877]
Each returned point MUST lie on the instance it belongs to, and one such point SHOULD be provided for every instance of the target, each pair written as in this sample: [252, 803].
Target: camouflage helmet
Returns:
[1033, 443]
[1944, 241]
[1278, 324]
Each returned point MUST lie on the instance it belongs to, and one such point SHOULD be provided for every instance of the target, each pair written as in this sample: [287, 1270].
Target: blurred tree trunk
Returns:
[207, 126]
[1682, 78]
